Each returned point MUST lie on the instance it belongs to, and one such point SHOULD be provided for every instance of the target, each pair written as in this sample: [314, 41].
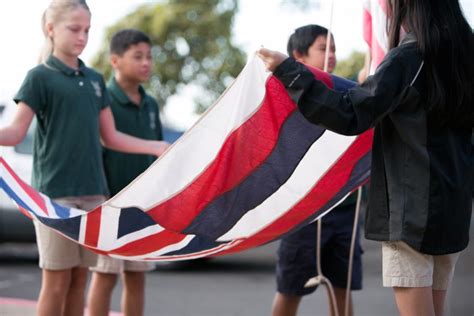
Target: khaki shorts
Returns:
[57, 252]
[405, 267]
[106, 264]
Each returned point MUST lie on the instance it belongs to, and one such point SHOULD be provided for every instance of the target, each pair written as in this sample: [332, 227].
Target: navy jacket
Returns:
[421, 176]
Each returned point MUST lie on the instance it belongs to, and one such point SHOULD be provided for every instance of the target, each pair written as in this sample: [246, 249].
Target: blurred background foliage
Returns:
[191, 45]
[349, 67]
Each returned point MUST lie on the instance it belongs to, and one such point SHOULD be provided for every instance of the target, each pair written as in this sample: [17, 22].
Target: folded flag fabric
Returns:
[251, 170]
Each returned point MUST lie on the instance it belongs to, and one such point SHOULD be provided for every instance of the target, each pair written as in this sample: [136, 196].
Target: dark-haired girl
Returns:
[420, 104]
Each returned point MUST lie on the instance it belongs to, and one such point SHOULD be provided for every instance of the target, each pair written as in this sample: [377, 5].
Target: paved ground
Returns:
[236, 285]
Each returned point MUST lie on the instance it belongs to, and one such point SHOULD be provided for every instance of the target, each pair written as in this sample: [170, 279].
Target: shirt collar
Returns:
[56, 64]
[120, 95]
[409, 38]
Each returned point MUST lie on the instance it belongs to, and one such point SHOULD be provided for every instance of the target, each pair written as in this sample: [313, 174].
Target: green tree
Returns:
[349, 68]
[191, 45]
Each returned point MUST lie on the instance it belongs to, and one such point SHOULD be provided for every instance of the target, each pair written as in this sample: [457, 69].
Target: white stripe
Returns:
[15, 186]
[22, 194]
[320, 157]
[73, 212]
[109, 222]
[82, 230]
[379, 23]
[177, 168]
[158, 256]
[109, 227]
[173, 247]
[49, 206]
[379, 32]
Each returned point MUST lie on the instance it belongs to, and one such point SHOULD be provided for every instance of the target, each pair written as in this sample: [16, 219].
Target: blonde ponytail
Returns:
[54, 13]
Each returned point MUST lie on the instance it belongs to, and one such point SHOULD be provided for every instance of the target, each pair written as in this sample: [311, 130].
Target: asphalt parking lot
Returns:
[234, 285]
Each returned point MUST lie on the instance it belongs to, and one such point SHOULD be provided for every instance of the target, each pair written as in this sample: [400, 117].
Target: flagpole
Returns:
[328, 38]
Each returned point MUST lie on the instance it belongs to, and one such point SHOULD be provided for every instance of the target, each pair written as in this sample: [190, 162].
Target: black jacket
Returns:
[421, 177]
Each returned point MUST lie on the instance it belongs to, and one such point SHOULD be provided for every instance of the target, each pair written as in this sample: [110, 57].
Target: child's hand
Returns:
[160, 147]
[271, 58]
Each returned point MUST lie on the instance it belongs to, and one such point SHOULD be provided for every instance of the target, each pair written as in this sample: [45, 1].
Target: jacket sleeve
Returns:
[351, 112]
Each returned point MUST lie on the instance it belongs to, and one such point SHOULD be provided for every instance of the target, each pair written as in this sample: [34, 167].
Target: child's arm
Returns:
[118, 141]
[15, 132]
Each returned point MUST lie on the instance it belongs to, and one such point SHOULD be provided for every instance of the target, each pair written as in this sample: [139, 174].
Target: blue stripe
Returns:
[133, 219]
[359, 174]
[69, 227]
[297, 135]
[14, 196]
[61, 211]
[341, 84]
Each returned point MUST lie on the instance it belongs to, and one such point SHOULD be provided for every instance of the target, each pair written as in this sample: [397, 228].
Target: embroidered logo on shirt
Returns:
[97, 88]
[152, 120]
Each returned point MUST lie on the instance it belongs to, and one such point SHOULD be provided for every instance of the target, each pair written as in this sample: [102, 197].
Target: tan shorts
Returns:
[107, 264]
[405, 267]
[57, 252]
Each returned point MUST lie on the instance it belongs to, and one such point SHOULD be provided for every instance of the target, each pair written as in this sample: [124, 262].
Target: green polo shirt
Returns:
[67, 154]
[141, 121]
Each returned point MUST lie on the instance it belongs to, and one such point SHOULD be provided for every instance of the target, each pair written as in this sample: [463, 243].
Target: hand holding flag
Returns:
[272, 59]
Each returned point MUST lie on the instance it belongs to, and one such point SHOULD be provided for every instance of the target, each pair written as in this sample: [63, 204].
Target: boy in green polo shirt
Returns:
[135, 113]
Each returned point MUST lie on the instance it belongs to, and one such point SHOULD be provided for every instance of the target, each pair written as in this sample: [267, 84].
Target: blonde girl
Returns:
[71, 106]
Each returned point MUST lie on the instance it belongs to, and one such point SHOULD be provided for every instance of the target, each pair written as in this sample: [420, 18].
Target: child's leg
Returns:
[420, 281]
[100, 293]
[414, 301]
[340, 295]
[74, 302]
[53, 292]
[335, 255]
[439, 297]
[285, 305]
[133, 294]
[60, 260]
[442, 276]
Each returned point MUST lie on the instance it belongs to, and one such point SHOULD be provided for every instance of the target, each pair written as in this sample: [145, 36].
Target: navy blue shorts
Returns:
[297, 254]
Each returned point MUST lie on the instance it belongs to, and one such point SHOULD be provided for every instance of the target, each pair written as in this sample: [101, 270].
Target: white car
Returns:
[14, 226]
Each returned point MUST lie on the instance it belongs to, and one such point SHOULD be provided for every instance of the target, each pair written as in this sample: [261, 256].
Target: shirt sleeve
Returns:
[351, 112]
[106, 101]
[159, 126]
[32, 91]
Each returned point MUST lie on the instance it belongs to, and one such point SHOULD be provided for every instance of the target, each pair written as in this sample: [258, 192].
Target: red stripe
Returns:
[367, 27]
[383, 5]
[93, 226]
[194, 255]
[35, 196]
[25, 212]
[149, 244]
[326, 188]
[321, 76]
[378, 54]
[245, 149]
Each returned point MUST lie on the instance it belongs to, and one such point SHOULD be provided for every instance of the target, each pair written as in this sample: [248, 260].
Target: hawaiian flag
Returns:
[374, 26]
[249, 171]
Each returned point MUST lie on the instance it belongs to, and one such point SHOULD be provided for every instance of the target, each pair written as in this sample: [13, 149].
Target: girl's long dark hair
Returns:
[445, 40]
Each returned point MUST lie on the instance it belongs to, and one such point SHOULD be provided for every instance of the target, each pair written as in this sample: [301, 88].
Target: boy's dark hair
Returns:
[303, 37]
[446, 42]
[125, 38]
